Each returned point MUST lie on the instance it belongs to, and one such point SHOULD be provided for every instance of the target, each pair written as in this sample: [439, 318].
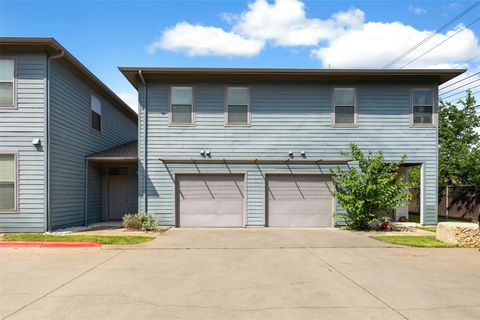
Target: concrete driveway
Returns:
[242, 274]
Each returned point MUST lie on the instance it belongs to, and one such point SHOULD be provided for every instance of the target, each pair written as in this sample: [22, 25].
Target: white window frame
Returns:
[412, 109]
[170, 109]
[355, 116]
[92, 96]
[14, 84]
[249, 111]
[15, 183]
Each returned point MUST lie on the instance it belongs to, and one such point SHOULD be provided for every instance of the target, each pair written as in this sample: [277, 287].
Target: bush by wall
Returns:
[140, 221]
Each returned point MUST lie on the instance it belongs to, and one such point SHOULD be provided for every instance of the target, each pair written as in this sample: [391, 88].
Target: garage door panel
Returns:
[211, 187]
[299, 201]
[298, 213]
[210, 200]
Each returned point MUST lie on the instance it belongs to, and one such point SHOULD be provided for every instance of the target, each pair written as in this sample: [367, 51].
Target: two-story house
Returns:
[254, 147]
[58, 125]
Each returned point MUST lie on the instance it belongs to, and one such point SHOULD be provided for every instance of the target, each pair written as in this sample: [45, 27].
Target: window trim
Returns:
[17, 175]
[92, 94]
[225, 106]
[170, 122]
[355, 107]
[434, 108]
[14, 84]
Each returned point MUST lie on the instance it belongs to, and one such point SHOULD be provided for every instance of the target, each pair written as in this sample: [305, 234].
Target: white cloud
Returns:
[284, 23]
[376, 43]
[417, 10]
[345, 40]
[198, 40]
[130, 98]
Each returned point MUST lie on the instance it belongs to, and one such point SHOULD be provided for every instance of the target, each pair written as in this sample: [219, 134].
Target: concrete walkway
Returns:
[242, 274]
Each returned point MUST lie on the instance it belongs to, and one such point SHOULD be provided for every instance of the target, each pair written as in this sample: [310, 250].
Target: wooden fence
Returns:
[462, 202]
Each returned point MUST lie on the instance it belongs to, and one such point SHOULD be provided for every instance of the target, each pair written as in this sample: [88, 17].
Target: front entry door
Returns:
[117, 197]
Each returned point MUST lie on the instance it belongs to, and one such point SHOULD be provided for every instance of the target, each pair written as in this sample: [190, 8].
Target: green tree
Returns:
[372, 188]
[459, 152]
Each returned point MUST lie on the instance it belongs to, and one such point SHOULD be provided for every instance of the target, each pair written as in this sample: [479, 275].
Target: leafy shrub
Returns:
[373, 188]
[140, 221]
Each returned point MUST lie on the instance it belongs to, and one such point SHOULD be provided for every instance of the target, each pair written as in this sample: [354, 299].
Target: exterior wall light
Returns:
[36, 142]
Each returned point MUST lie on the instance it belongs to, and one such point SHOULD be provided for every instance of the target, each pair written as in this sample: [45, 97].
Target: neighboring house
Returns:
[54, 114]
[253, 147]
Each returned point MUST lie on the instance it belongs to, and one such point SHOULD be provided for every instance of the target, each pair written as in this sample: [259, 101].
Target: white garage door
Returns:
[299, 201]
[209, 200]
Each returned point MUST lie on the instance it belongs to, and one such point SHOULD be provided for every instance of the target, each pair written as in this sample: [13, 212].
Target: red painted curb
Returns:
[48, 244]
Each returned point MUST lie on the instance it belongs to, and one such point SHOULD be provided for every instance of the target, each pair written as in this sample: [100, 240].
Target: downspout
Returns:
[140, 75]
[46, 144]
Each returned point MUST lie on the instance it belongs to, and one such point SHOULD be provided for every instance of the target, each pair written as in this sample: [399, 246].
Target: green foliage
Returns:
[140, 221]
[459, 153]
[365, 192]
[414, 176]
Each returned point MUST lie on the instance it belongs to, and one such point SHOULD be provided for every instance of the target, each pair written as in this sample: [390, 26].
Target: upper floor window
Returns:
[344, 106]
[422, 105]
[7, 82]
[8, 181]
[237, 106]
[181, 106]
[96, 113]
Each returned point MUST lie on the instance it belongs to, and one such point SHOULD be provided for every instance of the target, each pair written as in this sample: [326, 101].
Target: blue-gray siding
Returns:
[95, 193]
[17, 129]
[284, 117]
[72, 139]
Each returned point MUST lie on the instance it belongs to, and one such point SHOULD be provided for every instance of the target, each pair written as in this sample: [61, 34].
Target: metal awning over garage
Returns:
[253, 160]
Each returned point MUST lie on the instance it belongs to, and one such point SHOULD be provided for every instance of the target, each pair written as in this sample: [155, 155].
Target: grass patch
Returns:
[413, 217]
[415, 241]
[431, 229]
[81, 238]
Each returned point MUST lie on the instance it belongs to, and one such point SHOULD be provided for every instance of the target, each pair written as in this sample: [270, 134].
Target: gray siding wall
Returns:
[95, 193]
[72, 139]
[17, 129]
[284, 117]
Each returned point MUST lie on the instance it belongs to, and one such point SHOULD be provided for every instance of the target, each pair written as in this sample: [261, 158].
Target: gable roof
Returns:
[52, 47]
[127, 150]
[439, 76]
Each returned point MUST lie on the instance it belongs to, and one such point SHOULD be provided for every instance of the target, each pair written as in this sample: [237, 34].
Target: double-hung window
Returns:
[344, 107]
[237, 106]
[96, 113]
[8, 181]
[181, 106]
[7, 82]
[422, 106]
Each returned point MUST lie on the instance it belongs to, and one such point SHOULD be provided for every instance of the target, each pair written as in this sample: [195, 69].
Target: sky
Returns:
[258, 33]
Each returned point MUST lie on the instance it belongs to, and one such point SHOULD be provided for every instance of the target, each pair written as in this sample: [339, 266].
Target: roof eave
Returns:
[438, 75]
[54, 47]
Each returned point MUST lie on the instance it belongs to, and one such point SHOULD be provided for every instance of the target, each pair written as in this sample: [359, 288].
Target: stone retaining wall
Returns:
[459, 234]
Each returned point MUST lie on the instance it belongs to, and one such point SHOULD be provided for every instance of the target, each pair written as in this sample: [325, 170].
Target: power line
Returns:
[451, 84]
[432, 35]
[454, 94]
[453, 35]
[473, 93]
[472, 59]
[464, 85]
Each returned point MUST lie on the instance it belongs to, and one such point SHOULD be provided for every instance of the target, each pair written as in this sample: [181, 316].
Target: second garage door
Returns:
[209, 200]
[299, 201]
